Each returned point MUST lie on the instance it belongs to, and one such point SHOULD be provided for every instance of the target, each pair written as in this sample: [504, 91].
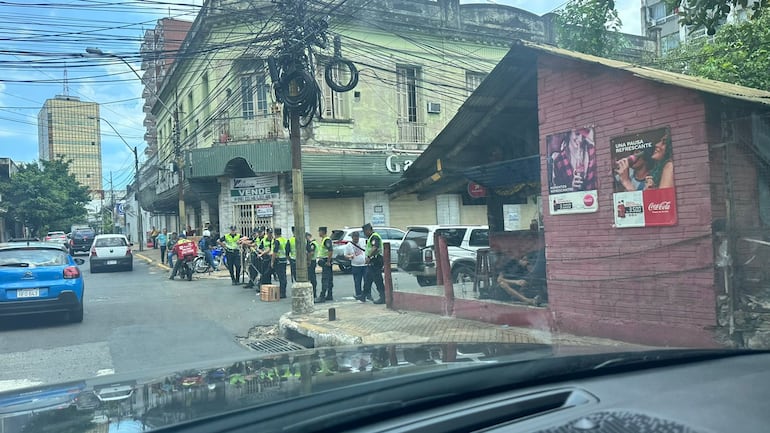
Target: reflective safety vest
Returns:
[281, 253]
[312, 247]
[293, 248]
[369, 244]
[322, 252]
[231, 241]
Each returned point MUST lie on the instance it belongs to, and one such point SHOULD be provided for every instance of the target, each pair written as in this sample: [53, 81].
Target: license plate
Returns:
[112, 262]
[28, 293]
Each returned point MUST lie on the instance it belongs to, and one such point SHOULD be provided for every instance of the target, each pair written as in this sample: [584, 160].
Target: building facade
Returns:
[675, 259]
[223, 148]
[158, 51]
[661, 22]
[69, 128]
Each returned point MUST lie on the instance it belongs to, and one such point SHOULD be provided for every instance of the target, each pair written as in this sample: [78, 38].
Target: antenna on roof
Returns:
[66, 82]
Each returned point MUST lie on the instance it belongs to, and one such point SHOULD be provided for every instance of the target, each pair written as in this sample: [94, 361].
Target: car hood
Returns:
[155, 400]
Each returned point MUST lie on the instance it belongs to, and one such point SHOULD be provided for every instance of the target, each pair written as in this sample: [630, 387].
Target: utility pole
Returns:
[297, 89]
[112, 204]
[93, 51]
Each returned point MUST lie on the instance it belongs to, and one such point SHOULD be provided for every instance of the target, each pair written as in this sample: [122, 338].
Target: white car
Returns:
[111, 252]
[341, 237]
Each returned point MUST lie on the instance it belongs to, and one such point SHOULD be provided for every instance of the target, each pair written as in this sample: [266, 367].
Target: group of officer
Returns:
[267, 253]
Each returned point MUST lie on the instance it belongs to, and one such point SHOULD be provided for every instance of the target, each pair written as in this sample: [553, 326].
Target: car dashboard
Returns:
[726, 393]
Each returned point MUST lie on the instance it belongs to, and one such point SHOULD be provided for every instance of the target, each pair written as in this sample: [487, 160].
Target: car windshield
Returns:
[181, 181]
[32, 257]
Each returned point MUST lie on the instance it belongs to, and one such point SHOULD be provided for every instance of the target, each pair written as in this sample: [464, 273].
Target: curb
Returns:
[322, 337]
[151, 261]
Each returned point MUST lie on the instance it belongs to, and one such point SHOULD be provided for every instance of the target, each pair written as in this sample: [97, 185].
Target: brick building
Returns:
[639, 263]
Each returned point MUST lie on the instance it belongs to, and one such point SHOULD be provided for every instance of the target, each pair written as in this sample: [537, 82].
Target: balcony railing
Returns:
[411, 132]
[259, 127]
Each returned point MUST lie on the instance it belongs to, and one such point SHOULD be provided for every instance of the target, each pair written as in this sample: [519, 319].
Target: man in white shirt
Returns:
[355, 252]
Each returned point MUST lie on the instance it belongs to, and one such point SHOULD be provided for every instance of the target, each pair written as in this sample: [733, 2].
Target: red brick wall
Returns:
[646, 285]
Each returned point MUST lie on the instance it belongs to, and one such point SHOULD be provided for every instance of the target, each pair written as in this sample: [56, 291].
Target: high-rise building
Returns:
[69, 128]
[159, 50]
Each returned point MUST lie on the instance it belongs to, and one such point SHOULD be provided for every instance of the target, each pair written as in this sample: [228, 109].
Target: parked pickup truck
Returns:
[416, 255]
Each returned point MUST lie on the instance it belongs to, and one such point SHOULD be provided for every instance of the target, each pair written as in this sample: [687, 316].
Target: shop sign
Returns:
[264, 210]
[476, 191]
[250, 189]
[378, 219]
[394, 166]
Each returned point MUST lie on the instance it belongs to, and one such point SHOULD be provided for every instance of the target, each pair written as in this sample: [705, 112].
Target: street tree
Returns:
[711, 13]
[589, 26]
[739, 54]
[44, 195]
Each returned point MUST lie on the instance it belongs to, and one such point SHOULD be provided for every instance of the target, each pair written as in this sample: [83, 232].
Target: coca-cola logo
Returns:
[659, 207]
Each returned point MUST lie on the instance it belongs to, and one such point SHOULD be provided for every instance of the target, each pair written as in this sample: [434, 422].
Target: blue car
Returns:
[40, 278]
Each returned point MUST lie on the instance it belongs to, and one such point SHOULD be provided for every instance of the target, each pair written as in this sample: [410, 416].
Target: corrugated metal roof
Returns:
[494, 96]
[263, 157]
[680, 80]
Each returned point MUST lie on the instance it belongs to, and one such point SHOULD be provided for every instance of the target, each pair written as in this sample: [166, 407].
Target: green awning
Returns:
[242, 160]
[342, 174]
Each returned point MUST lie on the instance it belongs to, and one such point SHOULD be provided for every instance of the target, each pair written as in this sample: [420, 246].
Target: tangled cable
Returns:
[299, 93]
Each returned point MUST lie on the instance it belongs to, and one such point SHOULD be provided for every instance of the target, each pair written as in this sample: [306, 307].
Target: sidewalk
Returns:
[359, 323]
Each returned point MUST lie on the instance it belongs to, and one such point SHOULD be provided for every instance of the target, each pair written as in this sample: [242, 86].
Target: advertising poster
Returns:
[643, 179]
[572, 173]
[250, 189]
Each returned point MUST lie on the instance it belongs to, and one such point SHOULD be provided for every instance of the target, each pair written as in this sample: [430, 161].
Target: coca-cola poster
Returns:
[643, 179]
[572, 173]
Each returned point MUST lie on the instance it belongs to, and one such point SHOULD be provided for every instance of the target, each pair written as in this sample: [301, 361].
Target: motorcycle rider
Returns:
[205, 246]
[185, 250]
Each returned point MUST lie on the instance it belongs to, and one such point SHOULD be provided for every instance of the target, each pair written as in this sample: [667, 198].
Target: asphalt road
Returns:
[137, 321]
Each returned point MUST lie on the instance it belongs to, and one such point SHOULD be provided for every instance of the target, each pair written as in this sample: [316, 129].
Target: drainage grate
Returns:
[274, 345]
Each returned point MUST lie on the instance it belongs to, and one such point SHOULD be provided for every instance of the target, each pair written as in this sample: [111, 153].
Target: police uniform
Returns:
[312, 248]
[233, 254]
[266, 247]
[325, 262]
[374, 269]
[253, 260]
[280, 259]
[291, 250]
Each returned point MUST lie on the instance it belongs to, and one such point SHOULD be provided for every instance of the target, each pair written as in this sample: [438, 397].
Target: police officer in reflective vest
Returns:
[251, 246]
[324, 255]
[312, 248]
[280, 259]
[230, 242]
[266, 257]
[292, 252]
[375, 263]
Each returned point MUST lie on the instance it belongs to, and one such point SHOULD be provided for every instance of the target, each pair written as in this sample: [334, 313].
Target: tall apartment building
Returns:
[69, 128]
[158, 51]
[661, 21]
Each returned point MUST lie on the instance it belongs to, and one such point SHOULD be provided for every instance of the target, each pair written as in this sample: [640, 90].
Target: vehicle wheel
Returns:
[463, 274]
[200, 265]
[410, 256]
[75, 316]
[426, 281]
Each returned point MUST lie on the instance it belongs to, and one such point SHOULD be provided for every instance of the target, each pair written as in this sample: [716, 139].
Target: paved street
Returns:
[140, 319]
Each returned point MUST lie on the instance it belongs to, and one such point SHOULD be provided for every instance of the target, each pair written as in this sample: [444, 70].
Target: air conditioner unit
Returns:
[434, 107]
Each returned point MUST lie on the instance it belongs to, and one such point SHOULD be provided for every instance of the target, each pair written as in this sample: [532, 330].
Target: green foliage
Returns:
[45, 196]
[590, 26]
[711, 13]
[738, 54]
